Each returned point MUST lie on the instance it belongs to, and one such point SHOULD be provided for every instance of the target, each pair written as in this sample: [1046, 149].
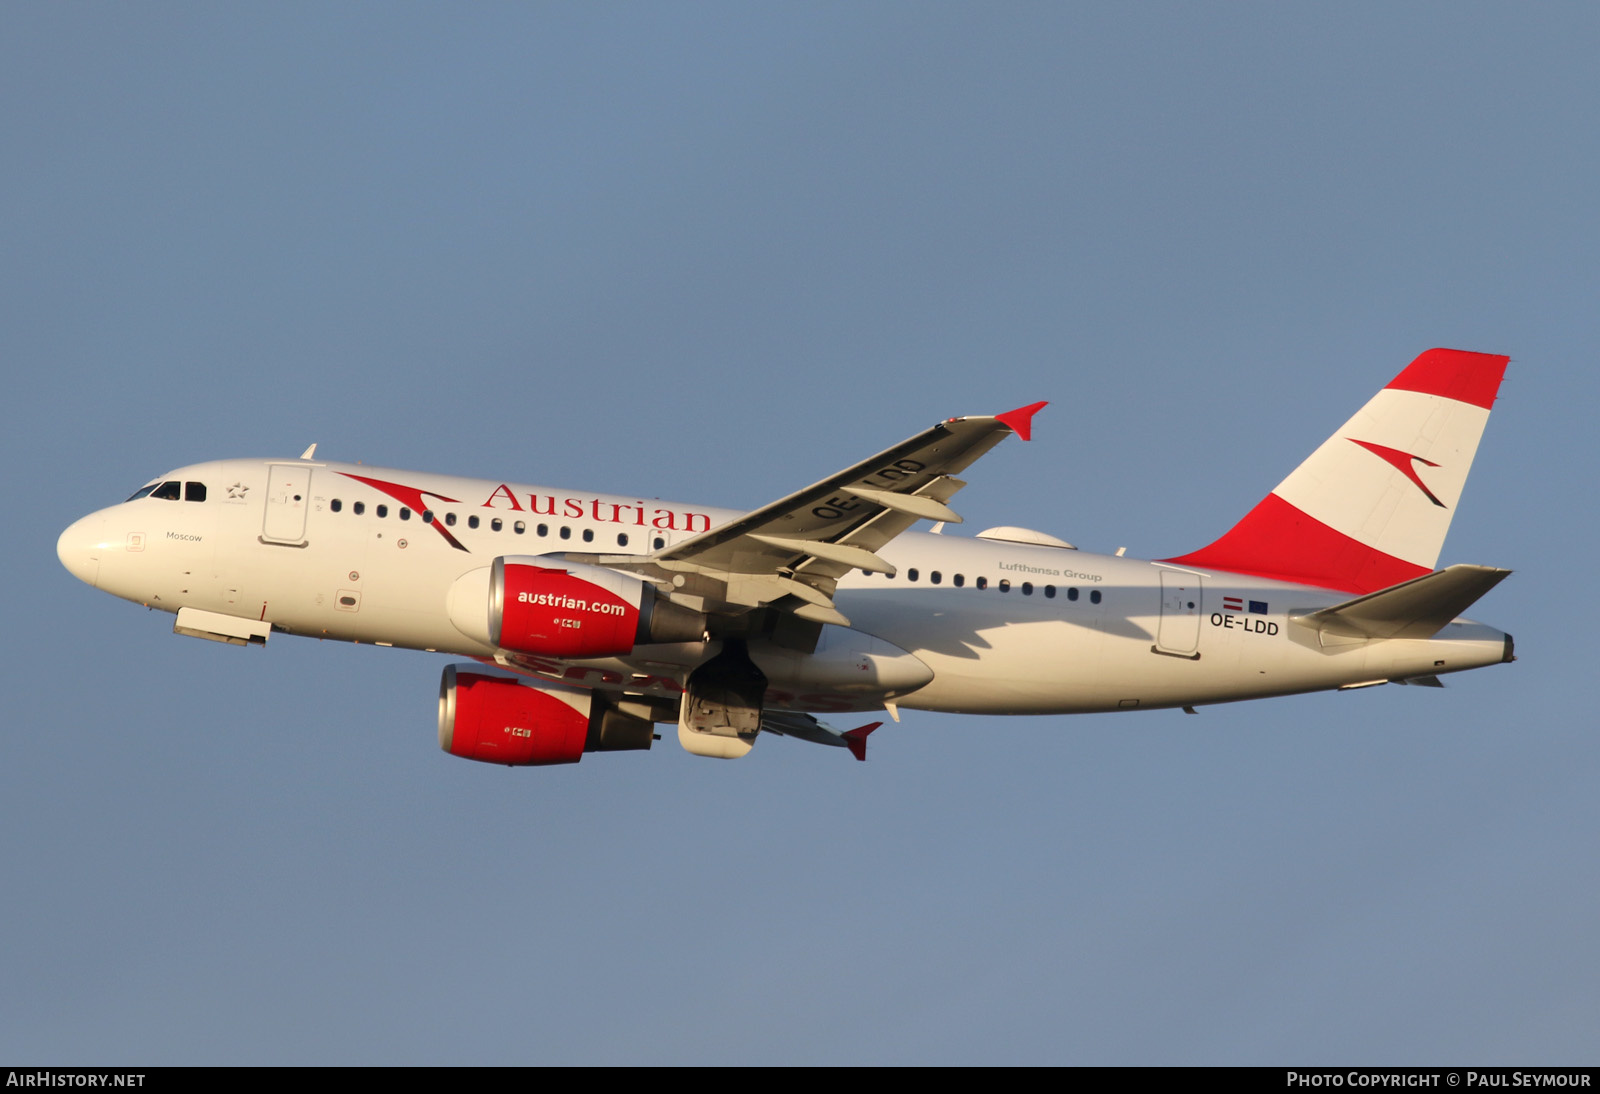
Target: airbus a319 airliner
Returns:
[589, 618]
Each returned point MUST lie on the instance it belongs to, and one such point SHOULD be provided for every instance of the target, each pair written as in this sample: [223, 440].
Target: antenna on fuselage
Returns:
[308, 453]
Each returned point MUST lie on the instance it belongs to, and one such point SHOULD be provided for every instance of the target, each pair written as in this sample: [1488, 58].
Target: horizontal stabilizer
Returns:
[1418, 608]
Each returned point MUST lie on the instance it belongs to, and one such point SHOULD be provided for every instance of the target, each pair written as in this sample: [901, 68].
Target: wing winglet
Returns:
[856, 739]
[1021, 419]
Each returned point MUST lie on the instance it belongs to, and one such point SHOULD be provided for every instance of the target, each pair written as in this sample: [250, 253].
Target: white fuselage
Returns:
[344, 552]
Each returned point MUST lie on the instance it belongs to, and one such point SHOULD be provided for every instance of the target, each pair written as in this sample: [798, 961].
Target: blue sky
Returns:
[715, 252]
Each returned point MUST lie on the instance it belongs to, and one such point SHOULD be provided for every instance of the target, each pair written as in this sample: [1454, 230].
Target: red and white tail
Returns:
[1370, 508]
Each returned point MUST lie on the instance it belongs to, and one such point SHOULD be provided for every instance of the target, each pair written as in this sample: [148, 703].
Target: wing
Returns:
[791, 553]
[786, 723]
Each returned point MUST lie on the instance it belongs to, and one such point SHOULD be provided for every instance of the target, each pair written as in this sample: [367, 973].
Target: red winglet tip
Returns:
[1021, 419]
[856, 739]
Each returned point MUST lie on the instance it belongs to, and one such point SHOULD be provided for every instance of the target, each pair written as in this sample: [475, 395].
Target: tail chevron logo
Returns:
[1404, 462]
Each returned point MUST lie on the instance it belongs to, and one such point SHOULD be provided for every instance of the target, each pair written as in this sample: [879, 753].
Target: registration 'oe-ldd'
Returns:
[590, 618]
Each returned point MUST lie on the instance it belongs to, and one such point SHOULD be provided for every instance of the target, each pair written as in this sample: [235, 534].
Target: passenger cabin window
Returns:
[472, 521]
[358, 507]
[383, 510]
[336, 505]
[405, 514]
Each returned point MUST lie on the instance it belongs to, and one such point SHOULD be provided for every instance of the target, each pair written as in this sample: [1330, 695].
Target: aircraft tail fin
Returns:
[1369, 509]
[1418, 608]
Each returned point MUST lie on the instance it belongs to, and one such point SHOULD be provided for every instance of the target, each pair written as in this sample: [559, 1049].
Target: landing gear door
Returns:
[1179, 632]
[288, 499]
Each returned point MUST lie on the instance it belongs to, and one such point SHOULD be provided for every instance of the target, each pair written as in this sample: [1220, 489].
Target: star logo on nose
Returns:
[237, 491]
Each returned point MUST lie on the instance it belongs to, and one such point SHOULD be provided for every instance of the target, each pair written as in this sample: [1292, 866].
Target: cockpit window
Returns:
[171, 491]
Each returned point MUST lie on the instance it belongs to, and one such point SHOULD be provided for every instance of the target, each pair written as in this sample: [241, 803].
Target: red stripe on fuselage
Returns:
[1277, 541]
[1454, 374]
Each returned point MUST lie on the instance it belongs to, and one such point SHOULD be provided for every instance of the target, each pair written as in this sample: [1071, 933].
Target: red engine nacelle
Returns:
[572, 610]
[503, 720]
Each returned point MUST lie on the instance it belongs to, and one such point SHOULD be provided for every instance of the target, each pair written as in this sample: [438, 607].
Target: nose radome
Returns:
[80, 547]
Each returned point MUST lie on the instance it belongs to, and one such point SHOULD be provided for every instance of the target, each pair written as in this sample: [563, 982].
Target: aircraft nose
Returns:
[81, 546]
